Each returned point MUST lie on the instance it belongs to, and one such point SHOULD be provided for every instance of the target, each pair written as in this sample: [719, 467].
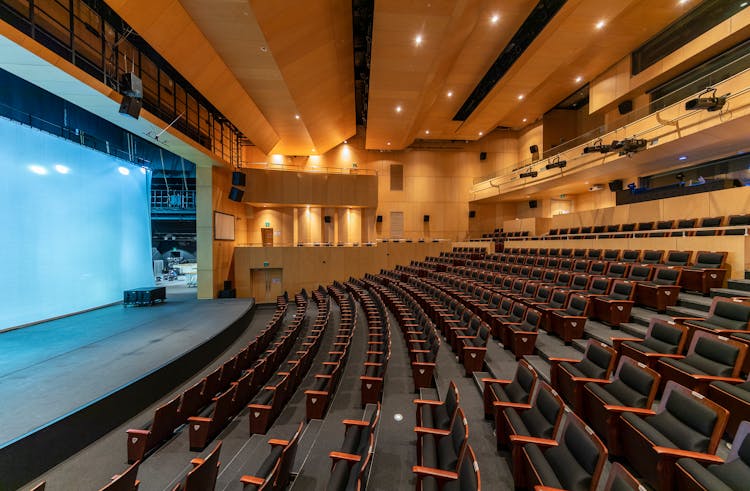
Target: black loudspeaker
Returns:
[426, 218]
[228, 285]
[532, 203]
[482, 155]
[379, 218]
[327, 218]
[472, 213]
[131, 85]
[238, 178]
[625, 106]
[130, 106]
[236, 194]
[615, 185]
[534, 149]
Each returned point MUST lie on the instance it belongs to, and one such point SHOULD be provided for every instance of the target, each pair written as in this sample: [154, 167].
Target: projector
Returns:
[708, 103]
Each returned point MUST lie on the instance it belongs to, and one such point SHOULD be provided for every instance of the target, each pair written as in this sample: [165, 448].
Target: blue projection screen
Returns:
[75, 227]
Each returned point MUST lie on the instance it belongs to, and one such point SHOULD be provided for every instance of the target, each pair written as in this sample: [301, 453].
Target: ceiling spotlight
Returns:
[123, 170]
[296, 116]
[398, 109]
[450, 93]
[494, 18]
[629, 145]
[418, 39]
[524, 120]
[426, 132]
[263, 49]
[597, 147]
[557, 164]
[711, 103]
[600, 24]
[481, 133]
[388, 143]
[520, 97]
[531, 173]
[579, 79]
[143, 170]
[38, 169]
[62, 169]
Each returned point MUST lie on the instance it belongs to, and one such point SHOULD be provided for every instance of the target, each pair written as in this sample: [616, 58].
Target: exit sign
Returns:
[268, 224]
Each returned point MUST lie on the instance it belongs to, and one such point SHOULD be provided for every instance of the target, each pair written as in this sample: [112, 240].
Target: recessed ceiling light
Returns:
[520, 97]
[450, 93]
[418, 39]
[123, 170]
[389, 144]
[579, 79]
[345, 142]
[683, 2]
[263, 49]
[296, 116]
[38, 169]
[524, 120]
[426, 132]
[743, 5]
[398, 109]
[313, 150]
[481, 133]
[494, 18]
[62, 169]
[600, 24]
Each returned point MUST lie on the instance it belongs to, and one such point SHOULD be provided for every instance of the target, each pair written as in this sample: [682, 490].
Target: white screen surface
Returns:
[75, 227]
[223, 226]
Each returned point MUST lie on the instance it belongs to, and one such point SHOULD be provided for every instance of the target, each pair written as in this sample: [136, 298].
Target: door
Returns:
[267, 284]
[397, 224]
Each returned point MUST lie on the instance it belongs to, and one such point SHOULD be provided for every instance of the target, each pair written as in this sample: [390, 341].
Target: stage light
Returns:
[38, 169]
[123, 170]
[62, 169]
[143, 170]
[450, 93]
[531, 173]
[597, 147]
[557, 164]
[630, 145]
[710, 103]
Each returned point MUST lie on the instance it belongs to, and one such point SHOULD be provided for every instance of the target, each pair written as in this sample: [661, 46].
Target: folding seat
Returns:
[553, 231]
[563, 280]
[652, 256]
[515, 315]
[581, 266]
[614, 308]
[733, 397]
[574, 460]
[192, 401]
[473, 349]
[349, 470]
[662, 291]
[566, 253]
[579, 253]
[539, 418]
[610, 229]
[611, 255]
[678, 258]
[686, 424]
[441, 452]
[662, 225]
[709, 222]
[565, 264]
[587, 230]
[520, 337]
[644, 226]
[598, 229]
[737, 221]
[639, 272]
[553, 263]
[438, 414]
[161, 428]
[541, 295]
[203, 474]
[319, 396]
[707, 271]
[568, 376]
[574, 231]
[274, 472]
[557, 301]
[594, 254]
[579, 282]
[630, 256]
[634, 385]
[548, 277]
[424, 361]
[203, 428]
[617, 270]
[597, 268]
[267, 404]
[725, 316]
[569, 324]
[598, 286]
[125, 481]
[553, 252]
[563, 231]
[662, 338]
[517, 391]
[620, 479]
[710, 358]
[685, 226]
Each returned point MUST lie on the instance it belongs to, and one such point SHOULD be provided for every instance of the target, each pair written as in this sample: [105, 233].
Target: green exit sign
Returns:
[265, 264]
[268, 224]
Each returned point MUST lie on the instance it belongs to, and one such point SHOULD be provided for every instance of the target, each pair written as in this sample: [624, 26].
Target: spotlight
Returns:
[629, 145]
[711, 103]
[597, 147]
[557, 164]
[531, 173]
[123, 170]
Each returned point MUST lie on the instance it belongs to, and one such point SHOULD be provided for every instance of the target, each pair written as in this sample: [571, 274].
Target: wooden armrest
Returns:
[197, 419]
[560, 360]
[330, 363]
[316, 392]
[717, 378]
[532, 439]
[431, 431]
[625, 409]
[677, 453]
[432, 472]
[427, 402]
[320, 375]
[344, 456]
[355, 422]
[515, 405]
[276, 441]
[496, 381]
[588, 379]
[197, 461]
[622, 340]
[254, 480]
[138, 432]
[664, 355]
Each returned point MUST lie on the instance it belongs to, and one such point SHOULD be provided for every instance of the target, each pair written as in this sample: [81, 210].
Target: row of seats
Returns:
[350, 464]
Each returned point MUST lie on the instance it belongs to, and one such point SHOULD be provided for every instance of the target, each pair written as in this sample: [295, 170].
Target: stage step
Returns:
[633, 329]
[677, 311]
[642, 316]
[541, 366]
[693, 301]
[739, 284]
[729, 292]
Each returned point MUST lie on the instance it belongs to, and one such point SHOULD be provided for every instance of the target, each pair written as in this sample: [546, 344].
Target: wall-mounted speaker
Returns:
[236, 194]
[379, 218]
[482, 155]
[532, 203]
[533, 149]
[472, 213]
[625, 106]
[131, 106]
[615, 185]
[238, 178]
[426, 218]
[131, 85]
[327, 218]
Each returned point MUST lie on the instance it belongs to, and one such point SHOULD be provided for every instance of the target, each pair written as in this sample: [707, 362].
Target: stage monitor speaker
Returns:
[130, 106]
[472, 213]
[625, 106]
[379, 218]
[532, 203]
[236, 194]
[534, 149]
[327, 219]
[426, 218]
[238, 178]
[131, 85]
[482, 155]
[615, 185]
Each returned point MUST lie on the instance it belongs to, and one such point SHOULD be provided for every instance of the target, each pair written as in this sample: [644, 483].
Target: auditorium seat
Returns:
[715, 474]
[441, 452]
[518, 390]
[644, 226]
[515, 315]
[574, 460]
[166, 420]
[557, 301]
[660, 292]
[203, 475]
[662, 338]
[519, 337]
[540, 418]
[438, 414]
[473, 346]
[568, 376]
[709, 222]
[203, 428]
[684, 225]
[663, 225]
[614, 308]
[678, 258]
[634, 385]
[686, 424]
[630, 256]
[125, 481]
[611, 255]
[737, 221]
[707, 271]
[274, 471]
[710, 358]
[620, 479]
[617, 270]
[652, 256]
[639, 272]
[348, 470]
[568, 324]
[725, 316]
[733, 397]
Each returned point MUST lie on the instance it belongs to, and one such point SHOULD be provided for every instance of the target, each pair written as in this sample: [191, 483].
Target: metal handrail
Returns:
[628, 234]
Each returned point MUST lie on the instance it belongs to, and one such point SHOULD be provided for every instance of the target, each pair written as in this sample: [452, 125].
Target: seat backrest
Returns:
[598, 360]
[640, 273]
[634, 384]
[166, 419]
[730, 314]
[630, 256]
[613, 228]
[622, 290]
[280, 474]
[523, 383]
[579, 253]
[452, 398]
[468, 474]
[687, 223]
[645, 225]
[611, 254]
[125, 481]
[665, 337]
[550, 406]
[192, 400]
[598, 229]
[542, 294]
[665, 224]
[712, 222]
[203, 475]
[598, 286]
[579, 457]
[594, 254]
[713, 355]
[577, 305]
[678, 258]
[667, 276]
[696, 418]
[450, 450]
[517, 312]
[706, 259]
[652, 256]
[558, 299]
[579, 282]
[628, 227]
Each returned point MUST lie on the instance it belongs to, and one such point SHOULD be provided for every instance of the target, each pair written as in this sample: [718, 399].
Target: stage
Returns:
[66, 382]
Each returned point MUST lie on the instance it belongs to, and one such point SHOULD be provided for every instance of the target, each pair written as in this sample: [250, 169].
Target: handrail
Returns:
[622, 235]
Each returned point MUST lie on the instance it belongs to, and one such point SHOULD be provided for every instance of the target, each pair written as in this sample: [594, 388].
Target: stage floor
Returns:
[51, 369]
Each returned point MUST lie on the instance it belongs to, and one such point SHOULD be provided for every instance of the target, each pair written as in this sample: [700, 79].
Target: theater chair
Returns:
[611, 255]
[568, 376]
[707, 271]
[440, 453]
[348, 470]
[127, 481]
[733, 397]
[639, 272]
[663, 225]
[710, 358]
[630, 256]
[685, 226]
[372, 380]
[661, 292]
[142, 441]
[686, 424]
[737, 221]
[319, 396]
[557, 301]
[438, 414]
[730, 475]
[726, 316]
[203, 474]
[518, 390]
[203, 428]
[709, 222]
[574, 460]
[620, 480]
[662, 338]
[268, 403]
[274, 472]
[633, 386]
[539, 419]
[515, 315]
[652, 257]
[614, 308]
[617, 270]
[520, 337]
[568, 324]
[678, 258]
[473, 348]
[424, 360]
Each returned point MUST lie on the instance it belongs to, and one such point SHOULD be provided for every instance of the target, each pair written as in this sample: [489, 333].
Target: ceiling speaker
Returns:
[131, 85]
[472, 213]
[236, 194]
[532, 203]
[327, 219]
